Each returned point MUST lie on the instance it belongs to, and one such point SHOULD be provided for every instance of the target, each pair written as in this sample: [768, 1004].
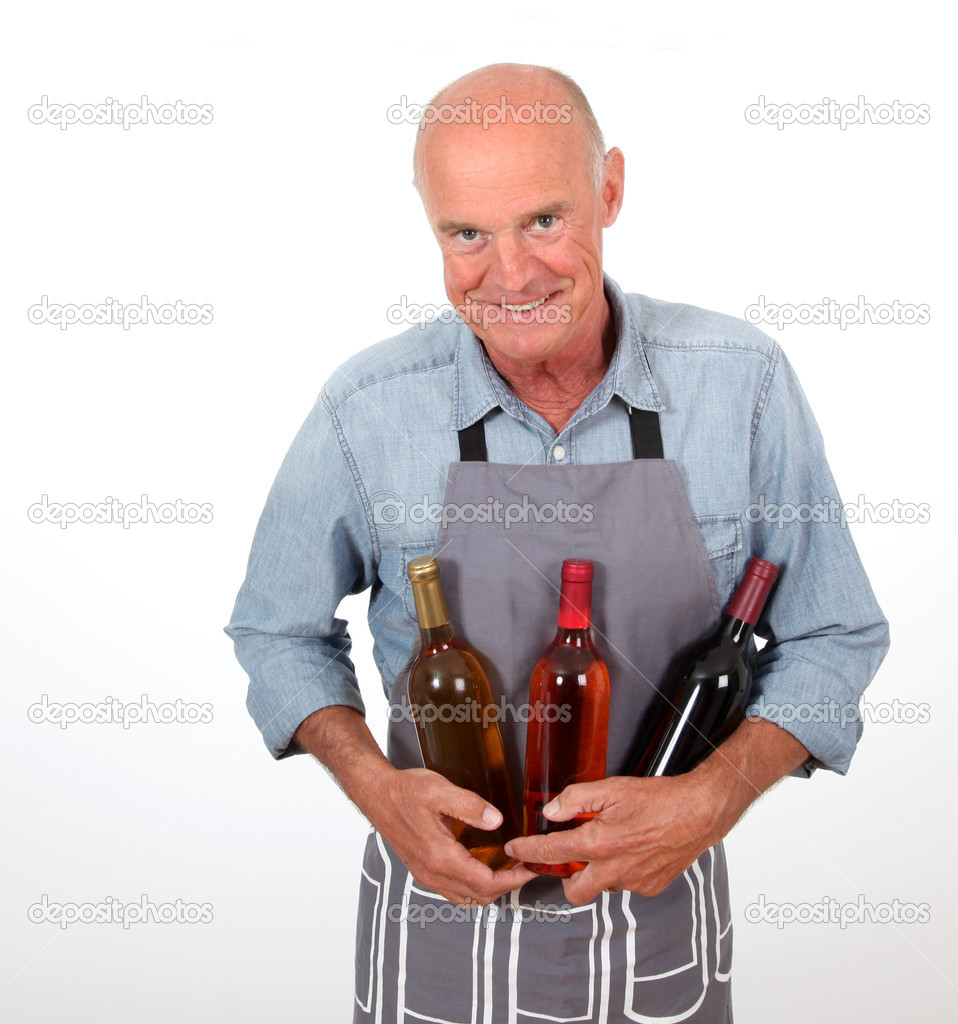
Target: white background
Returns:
[292, 214]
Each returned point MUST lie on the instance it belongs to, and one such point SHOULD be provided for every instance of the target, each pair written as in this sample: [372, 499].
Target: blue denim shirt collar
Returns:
[479, 387]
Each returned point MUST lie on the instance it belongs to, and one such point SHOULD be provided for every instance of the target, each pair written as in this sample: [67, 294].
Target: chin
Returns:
[522, 348]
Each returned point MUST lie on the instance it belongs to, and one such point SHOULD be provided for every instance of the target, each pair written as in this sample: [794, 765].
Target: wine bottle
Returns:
[456, 718]
[708, 701]
[567, 736]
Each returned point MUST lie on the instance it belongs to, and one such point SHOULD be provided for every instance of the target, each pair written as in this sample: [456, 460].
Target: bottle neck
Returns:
[431, 610]
[575, 607]
[749, 599]
[737, 630]
[436, 636]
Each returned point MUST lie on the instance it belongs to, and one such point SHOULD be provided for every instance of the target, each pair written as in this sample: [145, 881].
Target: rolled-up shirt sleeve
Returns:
[826, 635]
[312, 547]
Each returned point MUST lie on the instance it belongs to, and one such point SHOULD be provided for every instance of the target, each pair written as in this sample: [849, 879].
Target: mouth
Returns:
[540, 313]
[525, 307]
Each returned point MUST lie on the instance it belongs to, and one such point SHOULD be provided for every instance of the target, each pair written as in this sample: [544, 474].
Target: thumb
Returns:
[464, 805]
[579, 798]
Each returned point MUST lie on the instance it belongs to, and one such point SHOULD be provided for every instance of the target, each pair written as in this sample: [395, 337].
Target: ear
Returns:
[613, 185]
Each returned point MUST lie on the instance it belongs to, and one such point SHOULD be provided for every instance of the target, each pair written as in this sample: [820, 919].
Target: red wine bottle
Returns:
[709, 699]
[568, 731]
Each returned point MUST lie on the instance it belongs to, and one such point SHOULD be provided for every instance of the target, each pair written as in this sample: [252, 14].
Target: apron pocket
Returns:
[677, 944]
[373, 887]
[558, 968]
[440, 946]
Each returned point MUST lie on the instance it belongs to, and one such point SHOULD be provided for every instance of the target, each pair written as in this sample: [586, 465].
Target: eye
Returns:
[545, 220]
[467, 235]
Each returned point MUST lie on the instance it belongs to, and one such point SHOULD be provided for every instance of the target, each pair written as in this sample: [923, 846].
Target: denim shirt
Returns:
[360, 493]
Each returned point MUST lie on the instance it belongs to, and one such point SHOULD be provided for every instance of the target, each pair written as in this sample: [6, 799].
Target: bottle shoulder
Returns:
[562, 659]
[451, 666]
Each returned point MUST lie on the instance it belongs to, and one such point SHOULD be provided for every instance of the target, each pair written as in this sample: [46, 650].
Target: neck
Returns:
[556, 387]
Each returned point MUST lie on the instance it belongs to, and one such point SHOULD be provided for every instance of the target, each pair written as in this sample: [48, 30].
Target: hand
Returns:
[412, 809]
[414, 815]
[645, 833]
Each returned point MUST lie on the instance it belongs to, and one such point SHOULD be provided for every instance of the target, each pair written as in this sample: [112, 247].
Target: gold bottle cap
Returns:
[422, 569]
[427, 591]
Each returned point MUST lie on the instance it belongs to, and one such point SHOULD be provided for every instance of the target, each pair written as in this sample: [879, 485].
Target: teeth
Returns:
[525, 308]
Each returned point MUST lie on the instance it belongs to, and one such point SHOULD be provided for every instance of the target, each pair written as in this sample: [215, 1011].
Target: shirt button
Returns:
[558, 453]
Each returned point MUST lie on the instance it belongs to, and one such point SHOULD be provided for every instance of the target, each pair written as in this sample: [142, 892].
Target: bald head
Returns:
[509, 95]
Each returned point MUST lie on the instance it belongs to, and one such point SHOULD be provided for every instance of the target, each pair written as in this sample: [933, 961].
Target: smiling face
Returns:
[520, 226]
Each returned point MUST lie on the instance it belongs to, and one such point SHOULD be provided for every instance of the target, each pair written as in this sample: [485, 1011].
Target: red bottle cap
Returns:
[577, 570]
[575, 602]
[759, 567]
[752, 593]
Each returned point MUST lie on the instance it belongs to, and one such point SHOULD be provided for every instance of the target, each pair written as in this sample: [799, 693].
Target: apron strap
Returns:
[643, 424]
[646, 435]
[472, 443]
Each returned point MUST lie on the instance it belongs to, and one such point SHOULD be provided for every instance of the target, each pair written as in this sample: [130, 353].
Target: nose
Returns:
[513, 265]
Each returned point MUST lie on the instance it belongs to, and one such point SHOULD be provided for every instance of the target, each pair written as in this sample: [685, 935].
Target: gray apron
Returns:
[531, 956]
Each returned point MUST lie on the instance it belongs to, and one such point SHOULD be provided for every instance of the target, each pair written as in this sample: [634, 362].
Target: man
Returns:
[555, 368]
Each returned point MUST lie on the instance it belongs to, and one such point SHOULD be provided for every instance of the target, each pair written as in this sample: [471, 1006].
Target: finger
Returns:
[456, 892]
[580, 798]
[585, 885]
[513, 878]
[554, 848]
[492, 884]
[462, 873]
[466, 806]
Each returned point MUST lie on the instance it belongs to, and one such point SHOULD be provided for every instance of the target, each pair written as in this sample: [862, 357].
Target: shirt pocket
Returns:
[723, 539]
[395, 577]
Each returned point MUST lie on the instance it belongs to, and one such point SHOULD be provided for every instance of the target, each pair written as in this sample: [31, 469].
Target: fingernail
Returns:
[509, 850]
[551, 807]
[491, 817]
